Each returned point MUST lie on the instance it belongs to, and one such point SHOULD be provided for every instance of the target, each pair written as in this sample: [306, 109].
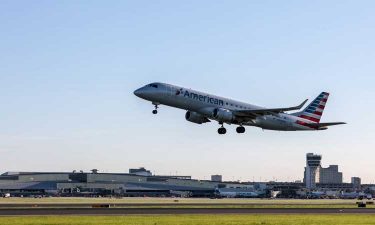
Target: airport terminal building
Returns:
[104, 184]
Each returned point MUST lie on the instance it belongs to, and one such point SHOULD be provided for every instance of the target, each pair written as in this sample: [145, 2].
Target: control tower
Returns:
[311, 171]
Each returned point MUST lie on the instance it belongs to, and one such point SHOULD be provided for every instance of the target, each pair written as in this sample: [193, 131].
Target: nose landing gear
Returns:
[155, 111]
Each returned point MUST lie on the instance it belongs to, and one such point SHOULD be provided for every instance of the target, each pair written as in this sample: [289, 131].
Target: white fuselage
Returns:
[204, 104]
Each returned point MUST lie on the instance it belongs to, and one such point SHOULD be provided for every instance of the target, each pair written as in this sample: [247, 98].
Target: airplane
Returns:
[202, 108]
[235, 193]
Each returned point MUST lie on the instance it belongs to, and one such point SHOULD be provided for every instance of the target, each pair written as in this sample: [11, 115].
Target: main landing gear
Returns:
[222, 129]
[240, 129]
[155, 111]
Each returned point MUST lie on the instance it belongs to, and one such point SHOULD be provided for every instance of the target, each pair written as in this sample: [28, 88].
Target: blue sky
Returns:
[68, 70]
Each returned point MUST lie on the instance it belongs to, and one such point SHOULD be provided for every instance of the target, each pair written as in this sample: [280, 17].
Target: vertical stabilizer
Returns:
[314, 111]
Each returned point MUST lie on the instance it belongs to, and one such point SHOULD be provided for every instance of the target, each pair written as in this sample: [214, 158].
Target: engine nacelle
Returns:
[195, 117]
[223, 115]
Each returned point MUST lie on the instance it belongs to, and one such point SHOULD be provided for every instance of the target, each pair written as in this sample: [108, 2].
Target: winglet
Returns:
[299, 106]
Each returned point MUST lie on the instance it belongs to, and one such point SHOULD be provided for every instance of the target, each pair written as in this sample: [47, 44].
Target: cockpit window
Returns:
[153, 85]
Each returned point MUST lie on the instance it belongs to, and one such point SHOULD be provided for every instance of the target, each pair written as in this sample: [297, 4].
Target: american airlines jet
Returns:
[202, 108]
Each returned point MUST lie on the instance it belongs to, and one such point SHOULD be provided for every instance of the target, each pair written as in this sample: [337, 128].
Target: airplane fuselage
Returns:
[203, 104]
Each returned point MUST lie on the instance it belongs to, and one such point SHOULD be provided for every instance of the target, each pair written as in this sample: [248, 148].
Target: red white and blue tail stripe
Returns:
[314, 111]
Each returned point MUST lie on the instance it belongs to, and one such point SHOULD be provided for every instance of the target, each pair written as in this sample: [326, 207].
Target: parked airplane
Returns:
[202, 107]
[236, 193]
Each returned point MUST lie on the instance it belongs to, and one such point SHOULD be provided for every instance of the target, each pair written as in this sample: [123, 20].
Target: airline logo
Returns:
[315, 110]
[203, 98]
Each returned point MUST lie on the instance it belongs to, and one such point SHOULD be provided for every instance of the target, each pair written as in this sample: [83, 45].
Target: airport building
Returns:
[312, 170]
[316, 176]
[140, 171]
[328, 182]
[356, 182]
[129, 185]
[216, 178]
[330, 175]
[121, 184]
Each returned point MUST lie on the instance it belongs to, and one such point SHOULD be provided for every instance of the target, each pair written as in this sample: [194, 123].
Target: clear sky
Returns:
[68, 70]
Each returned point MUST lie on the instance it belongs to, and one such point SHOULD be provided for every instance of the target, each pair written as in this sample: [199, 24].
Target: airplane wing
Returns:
[260, 112]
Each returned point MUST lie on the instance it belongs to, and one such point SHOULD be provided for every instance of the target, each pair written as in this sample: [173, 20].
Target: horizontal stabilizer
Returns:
[330, 124]
[323, 126]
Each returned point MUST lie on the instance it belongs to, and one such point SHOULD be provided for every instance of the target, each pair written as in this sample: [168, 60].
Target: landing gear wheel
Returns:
[155, 111]
[222, 130]
[240, 130]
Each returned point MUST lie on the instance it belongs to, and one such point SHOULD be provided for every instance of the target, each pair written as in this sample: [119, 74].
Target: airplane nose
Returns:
[138, 92]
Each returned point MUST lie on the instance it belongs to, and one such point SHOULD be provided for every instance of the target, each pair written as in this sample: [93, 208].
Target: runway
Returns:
[89, 205]
[133, 211]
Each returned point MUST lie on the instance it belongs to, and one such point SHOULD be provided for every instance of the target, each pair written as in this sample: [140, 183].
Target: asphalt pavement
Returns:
[133, 211]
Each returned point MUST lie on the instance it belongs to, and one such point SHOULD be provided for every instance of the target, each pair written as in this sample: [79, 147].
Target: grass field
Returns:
[191, 220]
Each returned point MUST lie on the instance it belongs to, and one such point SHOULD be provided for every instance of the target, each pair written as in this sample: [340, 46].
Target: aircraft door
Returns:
[169, 95]
[167, 91]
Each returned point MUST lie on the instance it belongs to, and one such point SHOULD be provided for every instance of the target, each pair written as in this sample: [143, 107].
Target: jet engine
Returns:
[195, 117]
[223, 115]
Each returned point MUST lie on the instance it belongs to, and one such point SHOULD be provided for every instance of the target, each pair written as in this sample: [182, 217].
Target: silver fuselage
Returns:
[205, 104]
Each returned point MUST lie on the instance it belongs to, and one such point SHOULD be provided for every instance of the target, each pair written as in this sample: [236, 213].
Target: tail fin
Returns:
[314, 111]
